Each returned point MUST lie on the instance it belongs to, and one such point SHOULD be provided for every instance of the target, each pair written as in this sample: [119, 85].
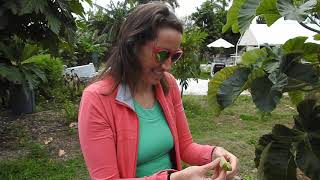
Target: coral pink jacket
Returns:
[108, 131]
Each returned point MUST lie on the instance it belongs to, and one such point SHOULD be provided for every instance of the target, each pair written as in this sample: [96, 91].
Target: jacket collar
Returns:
[124, 95]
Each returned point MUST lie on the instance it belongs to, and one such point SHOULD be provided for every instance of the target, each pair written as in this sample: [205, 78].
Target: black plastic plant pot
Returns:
[22, 101]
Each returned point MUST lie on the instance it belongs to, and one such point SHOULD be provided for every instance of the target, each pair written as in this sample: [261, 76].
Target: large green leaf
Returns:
[277, 162]
[53, 22]
[296, 97]
[289, 11]
[302, 72]
[37, 59]
[36, 71]
[296, 71]
[274, 52]
[295, 45]
[263, 142]
[232, 17]
[268, 8]
[308, 119]
[272, 62]
[311, 52]
[89, 2]
[76, 7]
[247, 13]
[264, 95]
[29, 6]
[283, 133]
[288, 59]
[31, 80]
[254, 57]
[271, 65]
[279, 133]
[255, 73]
[308, 160]
[317, 36]
[308, 151]
[279, 80]
[214, 85]
[11, 73]
[232, 87]
[7, 52]
[28, 51]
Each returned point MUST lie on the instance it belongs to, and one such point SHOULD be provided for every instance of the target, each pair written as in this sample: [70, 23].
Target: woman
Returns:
[131, 121]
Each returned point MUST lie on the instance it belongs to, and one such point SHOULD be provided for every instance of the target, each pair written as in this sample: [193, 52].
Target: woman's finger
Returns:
[211, 165]
[215, 172]
[222, 176]
[234, 164]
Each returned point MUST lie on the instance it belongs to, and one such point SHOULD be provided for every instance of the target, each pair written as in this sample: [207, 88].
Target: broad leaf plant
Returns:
[269, 72]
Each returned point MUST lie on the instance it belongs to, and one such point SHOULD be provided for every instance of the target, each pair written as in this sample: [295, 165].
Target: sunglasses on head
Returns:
[162, 54]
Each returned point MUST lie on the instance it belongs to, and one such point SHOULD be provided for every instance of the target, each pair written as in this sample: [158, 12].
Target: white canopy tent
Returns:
[219, 63]
[277, 34]
[220, 43]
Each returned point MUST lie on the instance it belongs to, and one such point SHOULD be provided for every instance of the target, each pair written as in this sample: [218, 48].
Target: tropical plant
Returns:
[71, 112]
[44, 21]
[53, 69]
[189, 65]
[20, 74]
[108, 20]
[173, 3]
[89, 47]
[19, 64]
[268, 73]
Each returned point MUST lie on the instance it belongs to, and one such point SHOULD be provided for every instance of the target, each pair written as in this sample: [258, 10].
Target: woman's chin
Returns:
[154, 81]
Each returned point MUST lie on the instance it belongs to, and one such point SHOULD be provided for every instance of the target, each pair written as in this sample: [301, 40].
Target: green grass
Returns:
[38, 165]
[237, 129]
[204, 75]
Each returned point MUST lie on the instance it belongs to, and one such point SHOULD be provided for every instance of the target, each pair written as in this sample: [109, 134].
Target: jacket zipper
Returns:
[137, 147]
[137, 130]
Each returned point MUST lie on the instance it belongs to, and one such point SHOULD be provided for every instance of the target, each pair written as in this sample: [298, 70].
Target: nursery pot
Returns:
[22, 100]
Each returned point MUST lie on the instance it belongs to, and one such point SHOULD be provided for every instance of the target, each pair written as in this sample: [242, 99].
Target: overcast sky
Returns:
[186, 6]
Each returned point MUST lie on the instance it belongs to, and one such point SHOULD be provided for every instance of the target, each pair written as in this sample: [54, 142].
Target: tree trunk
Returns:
[181, 93]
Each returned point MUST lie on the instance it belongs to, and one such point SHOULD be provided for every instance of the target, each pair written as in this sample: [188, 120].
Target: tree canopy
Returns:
[44, 21]
[211, 17]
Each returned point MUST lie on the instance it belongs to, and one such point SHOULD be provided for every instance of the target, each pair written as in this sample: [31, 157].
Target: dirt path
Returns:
[48, 128]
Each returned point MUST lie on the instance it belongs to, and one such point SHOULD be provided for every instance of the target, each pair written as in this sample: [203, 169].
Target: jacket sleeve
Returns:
[98, 143]
[191, 152]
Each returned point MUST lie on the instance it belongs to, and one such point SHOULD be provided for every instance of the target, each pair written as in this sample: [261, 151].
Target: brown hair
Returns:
[141, 25]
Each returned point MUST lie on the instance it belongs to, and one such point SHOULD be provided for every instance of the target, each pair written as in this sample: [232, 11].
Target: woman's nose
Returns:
[166, 65]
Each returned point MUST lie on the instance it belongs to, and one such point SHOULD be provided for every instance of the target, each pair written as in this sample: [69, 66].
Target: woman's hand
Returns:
[199, 172]
[219, 152]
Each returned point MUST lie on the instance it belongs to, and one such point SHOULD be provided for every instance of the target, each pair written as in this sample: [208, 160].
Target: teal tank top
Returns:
[155, 141]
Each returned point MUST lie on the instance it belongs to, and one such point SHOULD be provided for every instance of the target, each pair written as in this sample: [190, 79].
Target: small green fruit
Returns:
[225, 165]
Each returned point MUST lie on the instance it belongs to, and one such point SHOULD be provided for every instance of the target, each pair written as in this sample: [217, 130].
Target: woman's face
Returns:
[153, 70]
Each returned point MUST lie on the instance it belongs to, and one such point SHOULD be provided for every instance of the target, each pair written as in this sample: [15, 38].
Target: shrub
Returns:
[53, 69]
[71, 112]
